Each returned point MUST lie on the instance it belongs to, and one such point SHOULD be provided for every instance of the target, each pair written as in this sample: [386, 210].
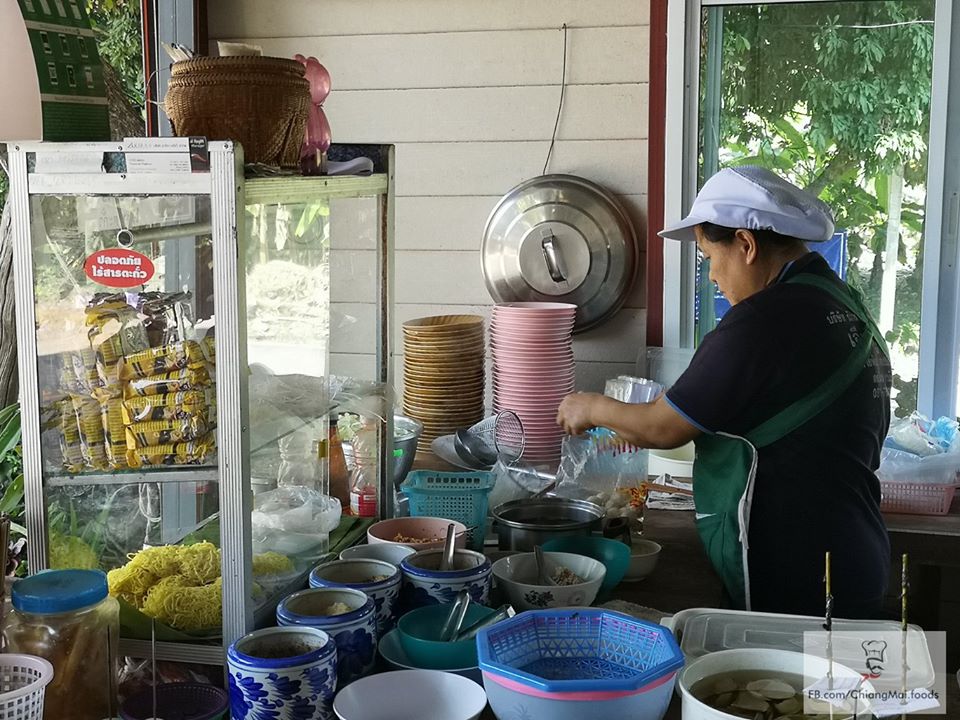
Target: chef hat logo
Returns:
[875, 652]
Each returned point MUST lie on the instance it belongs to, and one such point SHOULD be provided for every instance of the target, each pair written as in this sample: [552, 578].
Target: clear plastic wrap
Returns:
[145, 362]
[603, 469]
[294, 521]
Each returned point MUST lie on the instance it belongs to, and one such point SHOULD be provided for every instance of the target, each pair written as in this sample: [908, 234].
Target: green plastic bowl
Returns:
[419, 632]
[614, 555]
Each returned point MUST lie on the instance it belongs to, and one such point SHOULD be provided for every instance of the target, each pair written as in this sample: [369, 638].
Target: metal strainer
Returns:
[499, 437]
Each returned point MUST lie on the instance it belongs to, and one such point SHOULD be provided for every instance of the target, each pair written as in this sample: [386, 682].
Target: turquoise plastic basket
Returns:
[455, 496]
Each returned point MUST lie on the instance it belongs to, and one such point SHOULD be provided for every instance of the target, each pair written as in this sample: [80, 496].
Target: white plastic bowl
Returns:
[644, 555]
[677, 462]
[388, 552]
[516, 575]
[420, 694]
[770, 662]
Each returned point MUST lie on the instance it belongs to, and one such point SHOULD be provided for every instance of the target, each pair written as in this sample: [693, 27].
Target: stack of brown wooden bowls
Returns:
[443, 373]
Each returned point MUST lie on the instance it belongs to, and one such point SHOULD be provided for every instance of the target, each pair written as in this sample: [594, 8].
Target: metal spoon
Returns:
[543, 575]
[449, 548]
[454, 621]
[502, 613]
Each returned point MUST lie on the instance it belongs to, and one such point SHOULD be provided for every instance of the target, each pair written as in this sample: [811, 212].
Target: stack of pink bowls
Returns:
[443, 373]
[533, 370]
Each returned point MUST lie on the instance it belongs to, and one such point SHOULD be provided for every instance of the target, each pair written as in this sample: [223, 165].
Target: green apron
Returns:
[725, 467]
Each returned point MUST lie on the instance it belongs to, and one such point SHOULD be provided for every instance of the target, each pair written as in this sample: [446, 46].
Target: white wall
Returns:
[468, 92]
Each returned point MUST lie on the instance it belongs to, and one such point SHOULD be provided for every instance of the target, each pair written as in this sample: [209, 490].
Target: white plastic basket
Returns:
[23, 682]
[917, 498]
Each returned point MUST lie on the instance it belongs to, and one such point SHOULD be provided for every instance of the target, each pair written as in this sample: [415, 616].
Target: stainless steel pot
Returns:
[522, 524]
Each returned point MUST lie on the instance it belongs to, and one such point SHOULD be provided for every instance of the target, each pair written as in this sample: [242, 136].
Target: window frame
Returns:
[940, 309]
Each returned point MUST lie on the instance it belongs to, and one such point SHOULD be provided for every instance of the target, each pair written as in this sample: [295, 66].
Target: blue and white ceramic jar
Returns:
[283, 674]
[378, 579]
[354, 631]
[425, 584]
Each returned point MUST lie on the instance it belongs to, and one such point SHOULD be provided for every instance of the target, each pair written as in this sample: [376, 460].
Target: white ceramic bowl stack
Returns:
[443, 374]
[533, 369]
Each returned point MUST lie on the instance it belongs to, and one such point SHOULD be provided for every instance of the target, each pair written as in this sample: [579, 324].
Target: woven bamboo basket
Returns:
[260, 102]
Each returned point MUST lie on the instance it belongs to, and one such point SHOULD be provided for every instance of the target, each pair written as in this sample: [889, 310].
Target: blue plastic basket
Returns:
[454, 496]
[563, 651]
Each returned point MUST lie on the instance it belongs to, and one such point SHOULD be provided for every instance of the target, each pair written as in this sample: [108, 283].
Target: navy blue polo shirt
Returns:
[816, 489]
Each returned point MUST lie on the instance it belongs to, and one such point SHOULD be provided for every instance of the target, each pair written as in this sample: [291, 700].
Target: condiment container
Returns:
[378, 579]
[68, 618]
[287, 673]
[354, 630]
[425, 584]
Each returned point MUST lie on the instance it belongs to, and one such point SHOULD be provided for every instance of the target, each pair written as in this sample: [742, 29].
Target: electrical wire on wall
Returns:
[563, 89]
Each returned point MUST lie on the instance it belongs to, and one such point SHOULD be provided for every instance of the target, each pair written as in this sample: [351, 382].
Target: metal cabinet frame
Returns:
[229, 193]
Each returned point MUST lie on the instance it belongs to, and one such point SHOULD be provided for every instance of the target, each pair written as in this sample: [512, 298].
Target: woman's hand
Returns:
[575, 414]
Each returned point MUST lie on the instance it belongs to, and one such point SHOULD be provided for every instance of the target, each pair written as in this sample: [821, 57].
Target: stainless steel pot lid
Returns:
[560, 238]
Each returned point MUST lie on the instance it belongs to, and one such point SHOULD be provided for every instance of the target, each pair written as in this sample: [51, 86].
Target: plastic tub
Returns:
[704, 631]
[578, 665]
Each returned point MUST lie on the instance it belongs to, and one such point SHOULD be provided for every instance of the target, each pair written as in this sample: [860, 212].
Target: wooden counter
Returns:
[684, 577]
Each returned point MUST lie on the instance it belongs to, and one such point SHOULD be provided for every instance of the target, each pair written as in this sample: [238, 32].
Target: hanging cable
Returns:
[563, 88]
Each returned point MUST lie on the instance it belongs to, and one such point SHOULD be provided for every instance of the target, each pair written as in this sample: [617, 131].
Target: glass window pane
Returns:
[125, 363]
[834, 96]
[288, 288]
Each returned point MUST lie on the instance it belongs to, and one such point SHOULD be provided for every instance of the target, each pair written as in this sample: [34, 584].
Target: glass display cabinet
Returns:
[187, 338]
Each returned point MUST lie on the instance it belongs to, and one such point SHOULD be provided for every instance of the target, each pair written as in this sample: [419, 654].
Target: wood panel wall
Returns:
[467, 90]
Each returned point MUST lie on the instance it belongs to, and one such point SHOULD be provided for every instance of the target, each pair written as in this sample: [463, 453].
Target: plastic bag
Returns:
[900, 466]
[599, 462]
[515, 482]
[922, 436]
[293, 521]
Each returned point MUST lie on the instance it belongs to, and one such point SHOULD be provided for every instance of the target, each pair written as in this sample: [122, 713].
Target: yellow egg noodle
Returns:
[180, 585]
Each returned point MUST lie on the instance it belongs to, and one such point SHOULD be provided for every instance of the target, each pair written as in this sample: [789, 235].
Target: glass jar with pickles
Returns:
[68, 617]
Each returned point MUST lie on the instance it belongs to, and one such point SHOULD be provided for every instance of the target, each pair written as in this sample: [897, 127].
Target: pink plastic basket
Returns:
[917, 498]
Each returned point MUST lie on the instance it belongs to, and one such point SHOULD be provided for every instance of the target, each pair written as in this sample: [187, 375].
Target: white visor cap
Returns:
[754, 198]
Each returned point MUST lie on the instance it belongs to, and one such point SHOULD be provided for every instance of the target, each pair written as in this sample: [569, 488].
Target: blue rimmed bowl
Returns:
[354, 632]
[425, 584]
[376, 578]
[290, 667]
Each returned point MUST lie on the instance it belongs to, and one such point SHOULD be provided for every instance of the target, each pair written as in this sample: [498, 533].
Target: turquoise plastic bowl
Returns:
[614, 555]
[419, 632]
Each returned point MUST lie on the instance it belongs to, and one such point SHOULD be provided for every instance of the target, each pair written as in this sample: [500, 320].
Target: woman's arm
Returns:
[648, 425]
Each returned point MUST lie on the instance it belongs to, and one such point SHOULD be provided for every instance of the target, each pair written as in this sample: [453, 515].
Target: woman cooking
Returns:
[787, 401]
